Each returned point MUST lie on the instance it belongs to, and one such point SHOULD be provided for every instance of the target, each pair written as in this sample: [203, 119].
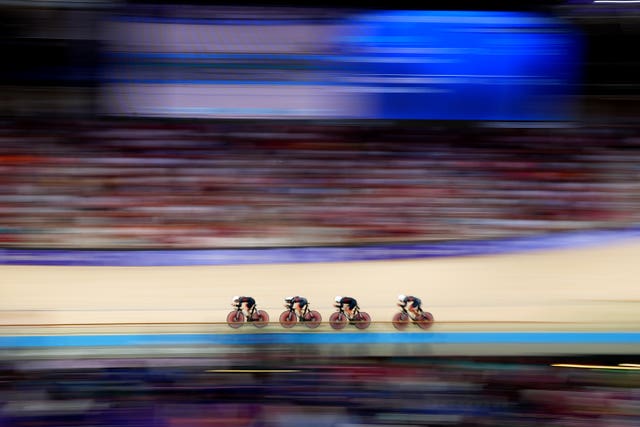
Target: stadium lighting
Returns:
[619, 367]
[617, 1]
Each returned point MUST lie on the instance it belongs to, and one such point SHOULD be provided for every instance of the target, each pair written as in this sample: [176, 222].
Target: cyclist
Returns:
[247, 304]
[411, 303]
[348, 304]
[298, 303]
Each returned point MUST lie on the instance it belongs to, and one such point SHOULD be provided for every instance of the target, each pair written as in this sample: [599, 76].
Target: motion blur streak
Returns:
[244, 371]
[156, 159]
[620, 367]
[352, 65]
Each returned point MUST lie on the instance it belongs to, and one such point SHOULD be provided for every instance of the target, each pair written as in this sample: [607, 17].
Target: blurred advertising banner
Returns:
[416, 65]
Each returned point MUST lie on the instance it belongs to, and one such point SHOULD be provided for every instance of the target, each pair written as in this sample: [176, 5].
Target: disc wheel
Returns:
[363, 320]
[313, 319]
[338, 320]
[425, 320]
[400, 321]
[288, 319]
[260, 319]
[235, 319]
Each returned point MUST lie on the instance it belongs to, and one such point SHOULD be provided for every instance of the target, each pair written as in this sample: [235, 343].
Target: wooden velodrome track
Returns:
[586, 288]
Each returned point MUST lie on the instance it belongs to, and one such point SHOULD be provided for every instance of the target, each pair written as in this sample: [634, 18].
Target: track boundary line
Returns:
[461, 322]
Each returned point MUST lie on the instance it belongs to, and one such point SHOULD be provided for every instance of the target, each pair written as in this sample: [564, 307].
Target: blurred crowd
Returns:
[341, 393]
[177, 184]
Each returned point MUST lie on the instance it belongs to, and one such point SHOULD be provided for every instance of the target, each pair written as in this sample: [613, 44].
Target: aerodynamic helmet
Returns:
[235, 299]
[338, 298]
[401, 297]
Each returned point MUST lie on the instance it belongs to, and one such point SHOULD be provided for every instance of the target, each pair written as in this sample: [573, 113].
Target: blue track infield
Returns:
[322, 339]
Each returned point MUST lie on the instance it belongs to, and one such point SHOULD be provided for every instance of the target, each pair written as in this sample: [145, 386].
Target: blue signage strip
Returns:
[151, 258]
[244, 339]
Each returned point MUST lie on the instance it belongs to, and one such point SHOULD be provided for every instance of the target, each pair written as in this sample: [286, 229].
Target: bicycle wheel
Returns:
[261, 319]
[338, 320]
[235, 319]
[313, 319]
[400, 321]
[288, 319]
[363, 320]
[425, 320]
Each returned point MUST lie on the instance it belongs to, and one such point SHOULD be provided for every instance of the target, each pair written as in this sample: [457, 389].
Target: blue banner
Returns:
[150, 258]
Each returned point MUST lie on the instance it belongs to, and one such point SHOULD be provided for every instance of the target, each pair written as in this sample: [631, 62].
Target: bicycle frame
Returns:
[409, 314]
[249, 317]
[301, 317]
[356, 311]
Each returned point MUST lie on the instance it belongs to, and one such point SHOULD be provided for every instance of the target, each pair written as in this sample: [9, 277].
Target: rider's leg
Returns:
[352, 310]
[300, 311]
[418, 312]
[413, 308]
[305, 311]
[347, 310]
